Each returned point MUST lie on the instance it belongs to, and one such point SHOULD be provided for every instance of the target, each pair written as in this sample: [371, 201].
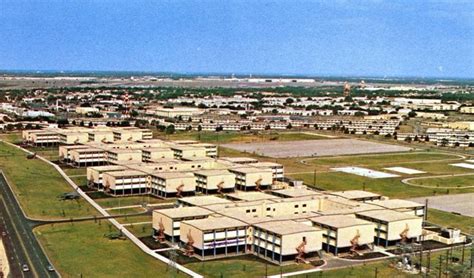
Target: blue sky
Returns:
[333, 37]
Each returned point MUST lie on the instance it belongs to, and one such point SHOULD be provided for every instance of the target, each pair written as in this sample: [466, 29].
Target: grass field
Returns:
[127, 211]
[454, 182]
[37, 185]
[75, 171]
[135, 219]
[239, 137]
[112, 202]
[141, 230]
[446, 219]
[382, 160]
[241, 267]
[391, 187]
[82, 249]
[13, 137]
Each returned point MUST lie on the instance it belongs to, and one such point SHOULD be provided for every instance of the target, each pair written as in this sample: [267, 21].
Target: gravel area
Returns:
[307, 148]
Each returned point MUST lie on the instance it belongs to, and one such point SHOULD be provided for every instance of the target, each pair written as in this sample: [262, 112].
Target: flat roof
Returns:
[72, 147]
[286, 227]
[107, 168]
[173, 175]
[157, 149]
[396, 204]
[126, 173]
[81, 150]
[204, 145]
[266, 164]
[249, 170]
[184, 142]
[215, 223]
[339, 221]
[100, 131]
[354, 194]
[251, 196]
[208, 173]
[124, 150]
[196, 159]
[387, 215]
[239, 159]
[297, 192]
[183, 212]
[186, 147]
[204, 200]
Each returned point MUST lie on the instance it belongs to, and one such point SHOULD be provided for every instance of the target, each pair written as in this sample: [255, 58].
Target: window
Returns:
[304, 205]
[254, 210]
[296, 206]
[268, 209]
[247, 211]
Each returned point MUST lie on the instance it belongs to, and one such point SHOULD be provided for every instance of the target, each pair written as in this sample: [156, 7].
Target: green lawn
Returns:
[141, 230]
[127, 211]
[382, 160]
[75, 171]
[248, 266]
[391, 187]
[12, 137]
[135, 219]
[130, 201]
[81, 249]
[457, 181]
[37, 185]
[446, 219]
[79, 181]
[234, 137]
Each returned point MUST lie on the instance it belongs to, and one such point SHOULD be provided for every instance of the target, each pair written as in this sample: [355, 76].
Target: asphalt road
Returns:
[20, 243]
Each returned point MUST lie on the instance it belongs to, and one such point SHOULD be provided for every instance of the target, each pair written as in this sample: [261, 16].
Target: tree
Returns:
[412, 114]
[91, 124]
[444, 142]
[199, 127]
[62, 122]
[289, 126]
[170, 129]
[134, 113]
[289, 100]
[161, 127]
[81, 123]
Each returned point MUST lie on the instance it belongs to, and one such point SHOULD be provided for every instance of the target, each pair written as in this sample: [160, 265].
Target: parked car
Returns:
[25, 268]
[50, 268]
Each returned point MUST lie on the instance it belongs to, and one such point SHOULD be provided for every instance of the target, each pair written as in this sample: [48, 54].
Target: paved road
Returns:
[20, 243]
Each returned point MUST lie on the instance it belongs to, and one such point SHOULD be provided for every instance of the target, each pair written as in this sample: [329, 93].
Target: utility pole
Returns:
[440, 265]
[314, 178]
[447, 262]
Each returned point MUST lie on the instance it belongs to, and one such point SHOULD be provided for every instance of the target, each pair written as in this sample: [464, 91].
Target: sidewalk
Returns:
[4, 267]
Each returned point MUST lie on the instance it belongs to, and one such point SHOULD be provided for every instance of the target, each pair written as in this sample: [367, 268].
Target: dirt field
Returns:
[315, 148]
[459, 203]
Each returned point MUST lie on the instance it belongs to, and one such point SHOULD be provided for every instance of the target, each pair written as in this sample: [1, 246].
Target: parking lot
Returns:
[459, 203]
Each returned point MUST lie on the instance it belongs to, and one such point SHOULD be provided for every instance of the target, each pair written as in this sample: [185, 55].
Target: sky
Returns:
[334, 37]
